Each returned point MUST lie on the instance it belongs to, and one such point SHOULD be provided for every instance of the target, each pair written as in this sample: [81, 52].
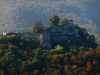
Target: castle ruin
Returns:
[54, 34]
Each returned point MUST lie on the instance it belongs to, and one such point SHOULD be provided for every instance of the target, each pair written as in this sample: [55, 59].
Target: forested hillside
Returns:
[18, 15]
[24, 56]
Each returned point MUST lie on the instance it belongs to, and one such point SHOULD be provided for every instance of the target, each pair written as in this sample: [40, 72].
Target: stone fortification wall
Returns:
[31, 36]
[59, 34]
[60, 29]
[53, 34]
[59, 38]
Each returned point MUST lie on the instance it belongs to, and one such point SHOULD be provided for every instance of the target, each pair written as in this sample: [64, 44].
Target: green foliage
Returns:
[35, 61]
[63, 21]
[17, 60]
[34, 65]
[58, 49]
[43, 9]
[66, 60]
[98, 47]
[73, 49]
[38, 51]
[3, 39]
[36, 27]
[24, 56]
[54, 21]
[83, 49]
[9, 57]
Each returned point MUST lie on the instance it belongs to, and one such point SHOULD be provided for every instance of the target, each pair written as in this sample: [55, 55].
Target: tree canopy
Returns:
[63, 21]
[36, 27]
[54, 20]
[26, 57]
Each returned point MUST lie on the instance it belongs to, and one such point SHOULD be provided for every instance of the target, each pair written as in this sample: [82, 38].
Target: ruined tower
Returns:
[45, 40]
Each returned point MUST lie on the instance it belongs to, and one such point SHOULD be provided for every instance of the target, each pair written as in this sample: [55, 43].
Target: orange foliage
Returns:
[95, 62]
[79, 56]
[92, 52]
[1, 72]
[26, 73]
[3, 46]
[88, 67]
[57, 59]
[84, 73]
[88, 63]
[73, 58]
[36, 72]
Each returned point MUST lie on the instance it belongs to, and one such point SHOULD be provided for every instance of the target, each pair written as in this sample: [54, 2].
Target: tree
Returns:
[57, 59]
[36, 27]
[36, 72]
[59, 49]
[13, 39]
[63, 21]
[54, 20]
[9, 57]
[57, 72]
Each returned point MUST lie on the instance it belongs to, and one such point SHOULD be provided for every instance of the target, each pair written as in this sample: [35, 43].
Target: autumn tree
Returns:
[57, 72]
[36, 72]
[57, 59]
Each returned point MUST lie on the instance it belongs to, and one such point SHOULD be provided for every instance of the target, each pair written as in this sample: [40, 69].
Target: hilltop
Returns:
[73, 51]
[19, 15]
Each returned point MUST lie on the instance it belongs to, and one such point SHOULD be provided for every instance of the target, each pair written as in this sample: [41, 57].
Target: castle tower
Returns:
[76, 32]
[45, 40]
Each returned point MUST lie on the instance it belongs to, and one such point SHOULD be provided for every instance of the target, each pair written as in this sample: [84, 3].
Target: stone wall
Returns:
[59, 38]
[55, 34]
[31, 36]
